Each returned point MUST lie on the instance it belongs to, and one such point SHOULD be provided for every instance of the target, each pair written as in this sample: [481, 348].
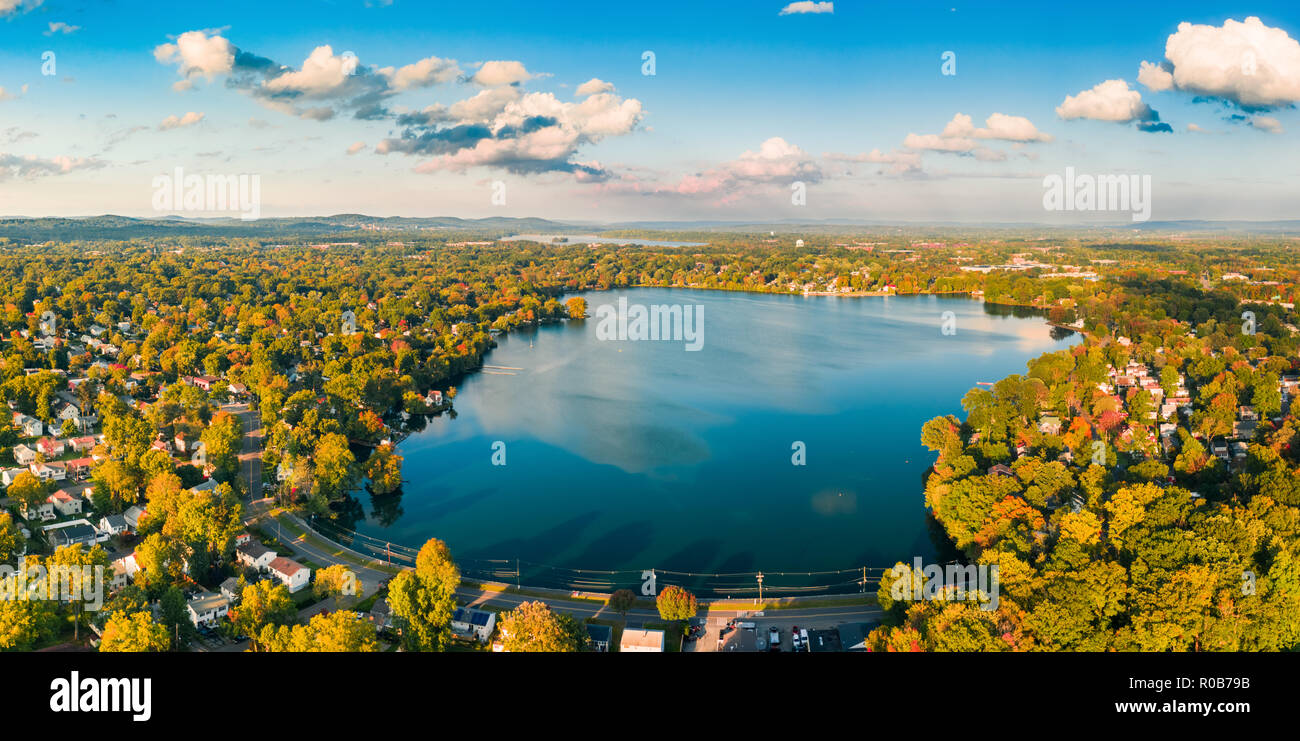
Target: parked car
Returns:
[774, 639]
[795, 644]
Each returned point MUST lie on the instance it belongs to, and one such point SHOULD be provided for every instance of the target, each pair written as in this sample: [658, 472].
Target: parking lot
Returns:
[729, 633]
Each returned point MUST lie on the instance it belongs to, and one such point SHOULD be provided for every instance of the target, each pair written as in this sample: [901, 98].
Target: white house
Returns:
[113, 524]
[132, 517]
[206, 608]
[30, 426]
[24, 455]
[124, 571]
[42, 511]
[65, 503]
[476, 624]
[49, 471]
[635, 640]
[254, 555]
[10, 474]
[230, 589]
[290, 573]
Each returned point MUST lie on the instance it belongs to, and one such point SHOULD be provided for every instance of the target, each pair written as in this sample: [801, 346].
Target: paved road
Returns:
[250, 457]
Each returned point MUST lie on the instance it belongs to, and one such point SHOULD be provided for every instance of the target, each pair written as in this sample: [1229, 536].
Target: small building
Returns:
[65, 503]
[824, 641]
[853, 636]
[599, 636]
[637, 640]
[67, 535]
[133, 517]
[381, 615]
[230, 589]
[124, 571]
[49, 447]
[113, 525]
[24, 455]
[1001, 469]
[10, 474]
[473, 624]
[206, 608]
[1049, 424]
[254, 555]
[43, 511]
[291, 574]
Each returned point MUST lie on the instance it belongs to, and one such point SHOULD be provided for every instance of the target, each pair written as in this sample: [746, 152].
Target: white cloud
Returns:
[775, 161]
[807, 6]
[424, 73]
[1155, 77]
[1266, 123]
[13, 6]
[593, 86]
[899, 161]
[323, 74]
[31, 166]
[1196, 129]
[496, 73]
[1112, 100]
[61, 27]
[356, 147]
[174, 122]
[1244, 62]
[6, 95]
[198, 55]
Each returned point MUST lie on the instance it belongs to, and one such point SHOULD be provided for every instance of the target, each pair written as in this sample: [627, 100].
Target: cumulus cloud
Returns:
[424, 73]
[1156, 77]
[196, 54]
[11, 7]
[961, 136]
[31, 166]
[1266, 123]
[6, 95]
[497, 73]
[1114, 101]
[775, 161]
[175, 122]
[1245, 63]
[807, 6]
[593, 86]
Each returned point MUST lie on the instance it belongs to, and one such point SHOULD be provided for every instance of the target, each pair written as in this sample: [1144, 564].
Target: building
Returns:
[49, 471]
[124, 571]
[853, 636]
[113, 525]
[133, 517]
[291, 574]
[824, 641]
[24, 455]
[254, 555]
[10, 474]
[230, 589]
[381, 615]
[49, 447]
[64, 503]
[67, 535]
[637, 640]
[599, 636]
[473, 624]
[206, 608]
[42, 511]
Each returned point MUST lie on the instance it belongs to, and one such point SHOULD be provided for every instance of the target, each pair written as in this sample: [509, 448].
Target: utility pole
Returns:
[760, 586]
[864, 579]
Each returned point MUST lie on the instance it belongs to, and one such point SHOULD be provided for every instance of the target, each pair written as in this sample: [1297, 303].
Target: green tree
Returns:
[134, 632]
[535, 628]
[621, 601]
[423, 600]
[675, 603]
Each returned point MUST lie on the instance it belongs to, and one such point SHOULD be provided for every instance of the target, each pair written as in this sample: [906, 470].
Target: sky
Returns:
[874, 111]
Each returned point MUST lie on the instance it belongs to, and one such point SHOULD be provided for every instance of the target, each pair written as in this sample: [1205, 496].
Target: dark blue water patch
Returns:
[625, 456]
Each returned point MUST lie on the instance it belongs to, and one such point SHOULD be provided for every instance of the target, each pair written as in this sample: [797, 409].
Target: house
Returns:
[1001, 469]
[82, 444]
[179, 442]
[290, 573]
[599, 636]
[230, 589]
[853, 636]
[78, 468]
[1049, 425]
[43, 511]
[65, 503]
[242, 538]
[254, 555]
[381, 615]
[433, 398]
[824, 641]
[203, 382]
[238, 389]
[636, 640]
[473, 624]
[133, 517]
[10, 474]
[113, 524]
[206, 608]
[24, 455]
[71, 535]
[30, 426]
[207, 485]
[49, 471]
[124, 571]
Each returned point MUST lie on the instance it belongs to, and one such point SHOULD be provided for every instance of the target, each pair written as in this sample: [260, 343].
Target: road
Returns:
[250, 457]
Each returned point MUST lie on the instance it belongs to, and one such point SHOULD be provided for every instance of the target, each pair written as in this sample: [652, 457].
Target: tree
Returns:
[175, 617]
[534, 628]
[134, 632]
[79, 560]
[384, 469]
[12, 542]
[675, 603]
[577, 307]
[424, 600]
[27, 490]
[262, 604]
[337, 581]
[337, 632]
[222, 442]
[621, 601]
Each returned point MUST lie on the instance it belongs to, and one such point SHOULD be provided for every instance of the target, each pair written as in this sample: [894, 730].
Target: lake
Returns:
[631, 455]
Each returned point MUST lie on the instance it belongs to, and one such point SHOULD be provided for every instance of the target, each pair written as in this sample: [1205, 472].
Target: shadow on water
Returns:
[544, 546]
[619, 545]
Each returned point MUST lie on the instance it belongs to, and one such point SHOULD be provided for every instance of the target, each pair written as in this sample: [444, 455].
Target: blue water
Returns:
[638, 455]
